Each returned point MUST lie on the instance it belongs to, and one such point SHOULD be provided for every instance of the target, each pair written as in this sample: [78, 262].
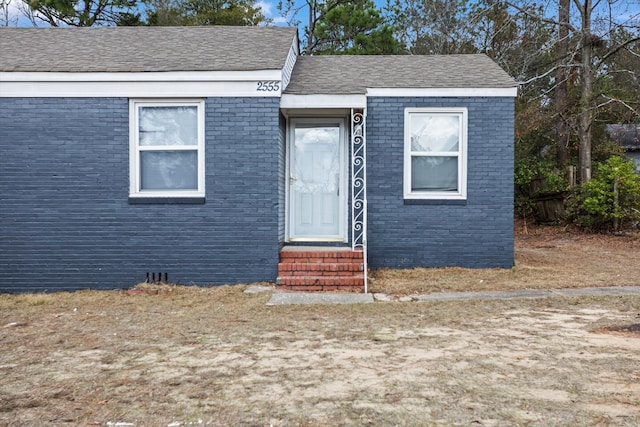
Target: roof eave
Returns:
[444, 92]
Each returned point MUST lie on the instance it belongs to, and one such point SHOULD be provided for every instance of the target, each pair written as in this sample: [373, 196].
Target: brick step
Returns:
[322, 268]
[321, 256]
[322, 280]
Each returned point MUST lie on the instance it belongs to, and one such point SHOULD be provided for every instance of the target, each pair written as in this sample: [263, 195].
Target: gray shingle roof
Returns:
[138, 49]
[344, 74]
[627, 135]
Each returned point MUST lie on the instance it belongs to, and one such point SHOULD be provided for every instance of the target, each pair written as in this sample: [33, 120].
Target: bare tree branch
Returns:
[541, 18]
[621, 102]
[578, 5]
[616, 50]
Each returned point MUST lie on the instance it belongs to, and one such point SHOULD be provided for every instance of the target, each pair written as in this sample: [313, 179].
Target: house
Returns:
[213, 155]
[628, 138]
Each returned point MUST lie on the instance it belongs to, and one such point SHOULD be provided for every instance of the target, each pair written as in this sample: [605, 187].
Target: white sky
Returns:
[13, 12]
[271, 12]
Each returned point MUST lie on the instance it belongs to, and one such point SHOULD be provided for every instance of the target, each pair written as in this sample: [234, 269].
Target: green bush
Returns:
[596, 204]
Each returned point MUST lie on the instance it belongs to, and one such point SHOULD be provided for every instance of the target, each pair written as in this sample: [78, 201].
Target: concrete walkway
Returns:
[285, 298]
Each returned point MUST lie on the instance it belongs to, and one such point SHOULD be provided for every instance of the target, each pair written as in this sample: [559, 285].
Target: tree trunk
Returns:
[616, 205]
[584, 125]
[562, 128]
[311, 28]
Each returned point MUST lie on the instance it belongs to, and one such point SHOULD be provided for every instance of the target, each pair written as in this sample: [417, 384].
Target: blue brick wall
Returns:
[65, 220]
[478, 233]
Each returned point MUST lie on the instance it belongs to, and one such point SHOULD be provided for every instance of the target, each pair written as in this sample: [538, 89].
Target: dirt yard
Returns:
[546, 257]
[179, 356]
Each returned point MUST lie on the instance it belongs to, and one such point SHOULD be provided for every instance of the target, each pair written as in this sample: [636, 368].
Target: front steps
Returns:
[307, 268]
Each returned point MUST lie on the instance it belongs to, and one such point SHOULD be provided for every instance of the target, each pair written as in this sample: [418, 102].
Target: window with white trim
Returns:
[166, 148]
[435, 153]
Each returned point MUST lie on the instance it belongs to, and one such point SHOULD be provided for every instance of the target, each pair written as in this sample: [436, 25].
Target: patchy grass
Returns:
[546, 257]
[175, 355]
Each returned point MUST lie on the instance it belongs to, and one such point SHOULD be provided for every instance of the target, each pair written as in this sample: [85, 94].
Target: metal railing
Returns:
[359, 186]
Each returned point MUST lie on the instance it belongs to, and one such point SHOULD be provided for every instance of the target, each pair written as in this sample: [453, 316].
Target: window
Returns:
[435, 150]
[167, 148]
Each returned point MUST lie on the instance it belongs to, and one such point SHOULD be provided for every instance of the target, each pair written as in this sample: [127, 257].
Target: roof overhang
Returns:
[319, 101]
[444, 92]
[141, 84]
[256, 83]
[291, 101]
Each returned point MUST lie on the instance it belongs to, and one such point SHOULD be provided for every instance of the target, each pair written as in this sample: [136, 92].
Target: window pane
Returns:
[168, 125]
[317, 159]
[434, 132]
[168, 170]
[434, 174]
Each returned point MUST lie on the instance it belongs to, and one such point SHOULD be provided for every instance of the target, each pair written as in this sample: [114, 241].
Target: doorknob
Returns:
[292, 178]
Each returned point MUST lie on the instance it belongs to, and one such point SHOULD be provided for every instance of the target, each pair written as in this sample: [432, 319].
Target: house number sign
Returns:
[268, 86]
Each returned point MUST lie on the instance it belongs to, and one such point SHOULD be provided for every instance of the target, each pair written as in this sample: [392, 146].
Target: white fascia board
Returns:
[443, 92]
[290, 63]
[290, 101]
[169, 76]
[141, 85]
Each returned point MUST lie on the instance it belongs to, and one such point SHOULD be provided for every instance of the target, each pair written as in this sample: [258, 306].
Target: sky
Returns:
[271, 11]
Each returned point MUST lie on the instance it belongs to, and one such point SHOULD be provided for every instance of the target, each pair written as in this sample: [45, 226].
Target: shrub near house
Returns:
[612, 198]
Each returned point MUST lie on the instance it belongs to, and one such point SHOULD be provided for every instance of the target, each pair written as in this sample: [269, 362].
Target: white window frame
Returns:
[461, 194]
[135, 148]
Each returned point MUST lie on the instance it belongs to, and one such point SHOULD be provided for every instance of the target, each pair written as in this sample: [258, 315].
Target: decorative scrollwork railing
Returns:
[359, 185]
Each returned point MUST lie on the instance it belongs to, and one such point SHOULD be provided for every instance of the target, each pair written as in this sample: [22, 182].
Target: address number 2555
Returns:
[268, 86]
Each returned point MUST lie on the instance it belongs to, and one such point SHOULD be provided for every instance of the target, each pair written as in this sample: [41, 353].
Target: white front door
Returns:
[317, 190]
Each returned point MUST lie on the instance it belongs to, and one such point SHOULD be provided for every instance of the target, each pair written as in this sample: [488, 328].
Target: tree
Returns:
[86, 13]
[82, 13]
[5, 17]
[356, 27]
[433, 26]
[587, 31]
[621, 83]
[561, 92]
[518, 42]
[290, 9]
[341, 26]
[203, 12]
[163, 13]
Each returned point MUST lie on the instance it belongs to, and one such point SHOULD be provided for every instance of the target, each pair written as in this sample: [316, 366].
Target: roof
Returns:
[627, 135]
[145, 49]
[352, 74]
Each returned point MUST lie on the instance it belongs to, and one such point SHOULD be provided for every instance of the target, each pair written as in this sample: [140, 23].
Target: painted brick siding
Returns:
[65, 220]
[478, 233]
